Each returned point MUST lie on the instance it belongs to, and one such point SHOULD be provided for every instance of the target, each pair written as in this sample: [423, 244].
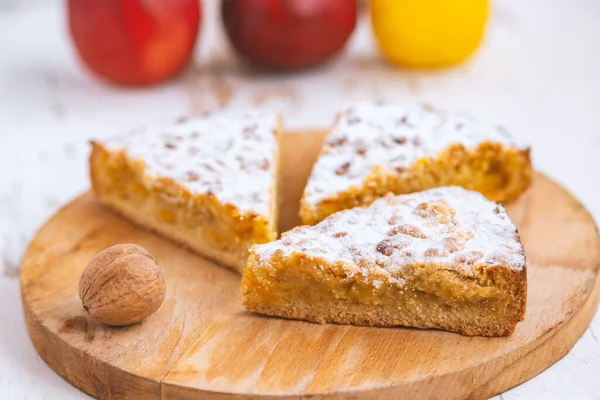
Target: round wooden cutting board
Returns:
[202, 344]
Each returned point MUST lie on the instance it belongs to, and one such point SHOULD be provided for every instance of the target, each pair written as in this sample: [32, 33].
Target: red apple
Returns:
[288, 34]
[134, 42]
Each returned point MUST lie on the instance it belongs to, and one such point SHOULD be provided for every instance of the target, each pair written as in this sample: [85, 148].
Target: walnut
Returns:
[388, 246]
[407, 229]
[436, 209]
[122, 285]
[399, 139]
[385, 247]
[343, 169]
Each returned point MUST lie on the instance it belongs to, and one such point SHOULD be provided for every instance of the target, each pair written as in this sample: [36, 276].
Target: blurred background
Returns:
[71, 71]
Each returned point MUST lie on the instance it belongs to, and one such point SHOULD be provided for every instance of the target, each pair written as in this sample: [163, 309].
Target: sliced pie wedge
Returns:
[401, 148]
[209, 183]
[444, 258]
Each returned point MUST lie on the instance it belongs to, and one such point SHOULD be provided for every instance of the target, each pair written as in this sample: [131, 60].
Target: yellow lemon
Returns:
[428, 33]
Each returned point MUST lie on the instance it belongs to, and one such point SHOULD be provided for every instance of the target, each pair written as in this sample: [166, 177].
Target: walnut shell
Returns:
[122, 285]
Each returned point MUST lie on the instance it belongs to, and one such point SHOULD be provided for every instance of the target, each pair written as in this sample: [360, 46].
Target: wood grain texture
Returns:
[202, 344]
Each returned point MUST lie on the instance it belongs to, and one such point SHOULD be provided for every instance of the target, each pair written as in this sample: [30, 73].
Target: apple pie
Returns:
[443, 258]
[401, 148]
[208, 182]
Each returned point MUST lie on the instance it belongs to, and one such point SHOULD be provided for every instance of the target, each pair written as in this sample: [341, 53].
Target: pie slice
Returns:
[401, 148]
[444, 258]
[209, 182]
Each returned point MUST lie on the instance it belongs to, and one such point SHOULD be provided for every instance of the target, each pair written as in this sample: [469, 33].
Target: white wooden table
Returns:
[537, 73]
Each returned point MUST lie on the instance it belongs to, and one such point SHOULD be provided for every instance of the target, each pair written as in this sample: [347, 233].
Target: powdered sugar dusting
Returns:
[229, 153]
[449, 226]
[392, 136]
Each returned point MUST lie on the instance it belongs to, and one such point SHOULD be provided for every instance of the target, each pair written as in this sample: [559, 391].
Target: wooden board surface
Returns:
[202, 344]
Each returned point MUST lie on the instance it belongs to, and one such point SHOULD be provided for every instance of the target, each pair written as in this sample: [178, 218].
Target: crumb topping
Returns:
[448, 226]
[391, 136]
[228, 153]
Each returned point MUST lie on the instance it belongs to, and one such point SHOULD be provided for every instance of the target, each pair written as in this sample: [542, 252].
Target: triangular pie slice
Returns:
[444, 258]
[208, 182]
[401, 148]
